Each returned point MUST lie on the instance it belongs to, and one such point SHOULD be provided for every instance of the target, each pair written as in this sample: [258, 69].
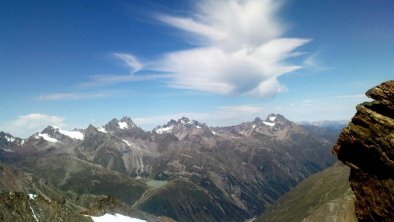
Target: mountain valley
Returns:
[184, 170]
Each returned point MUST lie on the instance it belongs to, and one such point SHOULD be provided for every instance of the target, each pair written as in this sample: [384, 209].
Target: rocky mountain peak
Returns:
[366, 145]
[123, 128]
[60, 134]
[7, 137]
[257, 120]
[277, 118]
[182, 124]
[90, 130]
[185, 128]
[50, 130]
[128, 121]
[271, 120]
[7, 141]
[123, 124]
[186, 121]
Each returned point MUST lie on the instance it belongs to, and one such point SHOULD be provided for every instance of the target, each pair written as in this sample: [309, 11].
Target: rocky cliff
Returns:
[367, 146]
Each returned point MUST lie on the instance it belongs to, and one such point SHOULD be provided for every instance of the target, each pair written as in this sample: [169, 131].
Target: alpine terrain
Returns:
[184, 170]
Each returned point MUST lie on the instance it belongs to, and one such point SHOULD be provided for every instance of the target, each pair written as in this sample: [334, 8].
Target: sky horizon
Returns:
[75, 63]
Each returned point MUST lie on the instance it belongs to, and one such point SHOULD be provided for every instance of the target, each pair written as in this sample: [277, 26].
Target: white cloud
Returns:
[101, 80]
[79, 95]
[231, 23]
[24, 126]
[314, 64]
[133, 65]
[131, 61]
[240, 49]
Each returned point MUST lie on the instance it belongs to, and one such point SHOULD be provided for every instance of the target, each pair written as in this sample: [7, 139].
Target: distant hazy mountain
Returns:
[185, 169]
[332, 124]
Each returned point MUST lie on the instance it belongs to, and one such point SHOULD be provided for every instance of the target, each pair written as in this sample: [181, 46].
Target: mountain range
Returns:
[184, 170]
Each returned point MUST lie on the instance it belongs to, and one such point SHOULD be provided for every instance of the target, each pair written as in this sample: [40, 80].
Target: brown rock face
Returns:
[367, 146]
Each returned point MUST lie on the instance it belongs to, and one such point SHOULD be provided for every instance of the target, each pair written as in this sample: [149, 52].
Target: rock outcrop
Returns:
[367, 146]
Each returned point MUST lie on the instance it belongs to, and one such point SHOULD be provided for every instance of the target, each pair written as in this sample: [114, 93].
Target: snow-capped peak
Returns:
[10, 138]
[187, 121]
[52, 132]
[115, 125]
[270, 121]
[272, 118]
[182, 123]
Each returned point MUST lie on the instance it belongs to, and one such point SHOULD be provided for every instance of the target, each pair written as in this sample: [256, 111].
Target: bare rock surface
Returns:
[367, 146]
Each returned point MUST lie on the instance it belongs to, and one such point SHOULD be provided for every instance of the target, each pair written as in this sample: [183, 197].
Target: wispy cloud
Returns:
[131, 61]
[102, 80]
[133, 65]
[313, 63]
[79, 95]
[240, 49]
[24, 126]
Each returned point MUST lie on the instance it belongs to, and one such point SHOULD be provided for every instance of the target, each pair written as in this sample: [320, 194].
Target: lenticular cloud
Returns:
[240, 49]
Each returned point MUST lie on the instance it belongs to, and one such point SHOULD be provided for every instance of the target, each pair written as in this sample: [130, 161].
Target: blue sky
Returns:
[71, 63]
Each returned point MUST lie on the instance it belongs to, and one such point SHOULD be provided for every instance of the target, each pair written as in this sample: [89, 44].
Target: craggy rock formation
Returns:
[367, 146]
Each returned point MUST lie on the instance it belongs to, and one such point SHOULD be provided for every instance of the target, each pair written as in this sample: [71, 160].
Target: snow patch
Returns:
[32, 196]
[213, 132]
[102, 129]
[198, 127]
[253, 126]
[128, 144]
[46, 137]
[272, 118]
[269, 124]
[116, 218]
[7, 150]
[72, 134]
[122, 125]
[10, 139]
[34, 215]
[164, 129]
[189, 121]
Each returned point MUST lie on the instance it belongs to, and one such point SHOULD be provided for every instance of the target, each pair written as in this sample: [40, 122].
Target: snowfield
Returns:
[116, 218]
[72, 134]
